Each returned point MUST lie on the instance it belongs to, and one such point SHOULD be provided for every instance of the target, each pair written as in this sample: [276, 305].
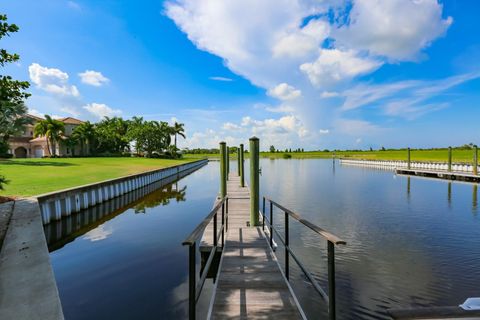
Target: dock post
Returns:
[332, 313]
[475, 160]
[227, 160]
[238, 162]
[409, 159]
[449, 159]
[242, 169]
[254, 180]
[223, 170]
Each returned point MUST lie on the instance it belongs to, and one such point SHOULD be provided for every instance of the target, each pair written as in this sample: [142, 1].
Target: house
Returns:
[27, 146]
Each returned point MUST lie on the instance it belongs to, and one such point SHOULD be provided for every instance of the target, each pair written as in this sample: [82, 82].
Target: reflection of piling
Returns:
[474, 198]
[450, 159]
[475, 160]
[408, 187]
[254, 180]
[223, 169]
[449, 193]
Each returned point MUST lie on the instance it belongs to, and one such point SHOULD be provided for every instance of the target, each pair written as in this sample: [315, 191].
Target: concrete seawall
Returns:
[27, 285]
[386, 164]
[60, 232]
[56, 205]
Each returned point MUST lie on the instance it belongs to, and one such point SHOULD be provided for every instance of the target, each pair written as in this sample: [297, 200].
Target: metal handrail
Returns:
[191, 241]
[327, 235]
[332, 240]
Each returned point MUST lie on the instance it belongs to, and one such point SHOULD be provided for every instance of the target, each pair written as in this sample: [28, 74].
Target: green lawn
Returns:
[440, 155]
[36, 176]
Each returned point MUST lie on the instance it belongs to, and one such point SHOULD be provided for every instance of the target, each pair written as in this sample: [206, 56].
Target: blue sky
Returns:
[311, 74]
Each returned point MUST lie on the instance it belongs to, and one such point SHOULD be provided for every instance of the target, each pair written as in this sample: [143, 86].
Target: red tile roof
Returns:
[70, 120]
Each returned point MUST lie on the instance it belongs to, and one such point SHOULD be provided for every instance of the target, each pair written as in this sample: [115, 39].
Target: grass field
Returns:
[36, 176]
[437, 155]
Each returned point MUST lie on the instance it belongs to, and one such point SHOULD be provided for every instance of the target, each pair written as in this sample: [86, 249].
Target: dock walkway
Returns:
[250, 283]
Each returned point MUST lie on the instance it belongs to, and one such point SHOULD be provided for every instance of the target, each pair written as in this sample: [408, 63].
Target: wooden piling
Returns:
[238, 162]
[227, 160]
[223, 169]
[254, 180]
[475, 160]
[242, 169]
[409, 159]
[449, 159]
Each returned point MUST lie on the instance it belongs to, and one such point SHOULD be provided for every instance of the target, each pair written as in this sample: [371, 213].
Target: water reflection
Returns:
[405, 247]
[160, 193]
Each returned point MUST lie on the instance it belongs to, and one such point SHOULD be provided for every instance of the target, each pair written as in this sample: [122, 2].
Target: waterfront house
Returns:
[26, 145]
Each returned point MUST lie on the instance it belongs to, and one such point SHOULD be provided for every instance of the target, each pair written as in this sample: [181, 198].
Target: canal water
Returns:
[411, 242]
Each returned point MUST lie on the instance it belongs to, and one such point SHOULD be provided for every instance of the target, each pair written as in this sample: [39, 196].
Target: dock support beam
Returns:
[409, 159]
[254, 180]
[449, 159]
[475, 160]
[223, 169]
[242, 169]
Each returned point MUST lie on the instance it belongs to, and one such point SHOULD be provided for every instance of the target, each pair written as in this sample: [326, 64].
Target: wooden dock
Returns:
[250, 284]
[440, 174]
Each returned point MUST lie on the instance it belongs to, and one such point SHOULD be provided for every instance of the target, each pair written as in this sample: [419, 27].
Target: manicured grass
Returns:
[437, 155]
[36, 176]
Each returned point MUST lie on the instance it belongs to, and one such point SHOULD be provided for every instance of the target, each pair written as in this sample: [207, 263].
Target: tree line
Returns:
[114, 137]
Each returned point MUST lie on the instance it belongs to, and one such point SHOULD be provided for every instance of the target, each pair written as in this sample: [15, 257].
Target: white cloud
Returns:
[397, 29]
[36, 113]
[283, 108]
[302, 42]
[101, 110]
[324, 131]
[408, 99]
[231, 126]
[51, 80]
[329, 94]
[333, 66]
[93, 78]
[224, 79]
[284, 91]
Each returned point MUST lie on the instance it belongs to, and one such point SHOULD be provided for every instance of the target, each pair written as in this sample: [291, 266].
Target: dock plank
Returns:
[250, 283]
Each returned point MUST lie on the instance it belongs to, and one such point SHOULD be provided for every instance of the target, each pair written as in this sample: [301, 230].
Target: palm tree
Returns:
[178, 129]
[52, 130]
[84, 133]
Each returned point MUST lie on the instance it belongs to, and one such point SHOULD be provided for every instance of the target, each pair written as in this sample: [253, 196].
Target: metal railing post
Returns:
[271, 224]
[223, 226]
[263, 214]
[215, 229]
[331, 281]
[226, 224]
[287, 243]
[191, 281]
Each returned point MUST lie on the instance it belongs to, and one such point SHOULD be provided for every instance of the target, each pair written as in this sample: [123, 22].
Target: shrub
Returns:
[287, 156]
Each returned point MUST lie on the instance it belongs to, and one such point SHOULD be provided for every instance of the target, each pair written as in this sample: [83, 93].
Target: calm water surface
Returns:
[411, 242]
